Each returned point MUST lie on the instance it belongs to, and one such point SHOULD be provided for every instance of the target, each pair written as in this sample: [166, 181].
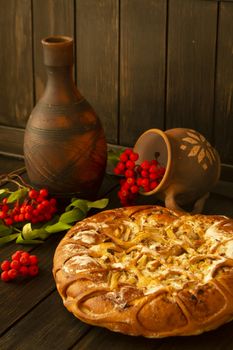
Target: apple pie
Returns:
[148, 270]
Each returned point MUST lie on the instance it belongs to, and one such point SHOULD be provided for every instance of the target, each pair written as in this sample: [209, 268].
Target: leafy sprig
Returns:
[36, 233]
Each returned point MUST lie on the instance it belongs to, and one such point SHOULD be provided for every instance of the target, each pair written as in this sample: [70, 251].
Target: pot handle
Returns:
[170, 202]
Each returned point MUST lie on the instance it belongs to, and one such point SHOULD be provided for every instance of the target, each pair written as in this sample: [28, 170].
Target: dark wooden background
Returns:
[140, 63]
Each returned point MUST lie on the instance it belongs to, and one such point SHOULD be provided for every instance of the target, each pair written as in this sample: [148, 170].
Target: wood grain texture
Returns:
[103, 339]
[43, 321]
[11, 140]
[191, 65]
[142, 67]
[16, 84]
[224, 85]
[220, 339]
[97, 59]
[50, 17]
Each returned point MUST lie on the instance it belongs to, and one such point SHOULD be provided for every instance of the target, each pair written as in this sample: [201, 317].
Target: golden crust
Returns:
[148, 270]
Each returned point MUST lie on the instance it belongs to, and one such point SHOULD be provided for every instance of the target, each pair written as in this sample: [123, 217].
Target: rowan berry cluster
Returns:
[142, 177]
[36, 207]
[21, 264]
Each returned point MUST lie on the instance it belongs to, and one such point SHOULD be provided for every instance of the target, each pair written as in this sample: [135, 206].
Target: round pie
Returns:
[148, 270]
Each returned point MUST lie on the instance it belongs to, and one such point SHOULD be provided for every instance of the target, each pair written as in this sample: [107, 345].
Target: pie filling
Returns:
[150, 251]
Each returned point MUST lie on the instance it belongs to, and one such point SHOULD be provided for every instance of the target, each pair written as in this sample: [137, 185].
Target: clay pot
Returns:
[192, 166]
[64, 145]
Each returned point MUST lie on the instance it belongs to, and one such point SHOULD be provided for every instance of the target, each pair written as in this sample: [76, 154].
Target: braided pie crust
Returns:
[148, 270]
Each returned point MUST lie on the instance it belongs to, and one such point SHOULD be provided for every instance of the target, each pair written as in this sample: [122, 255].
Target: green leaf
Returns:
[4, 193]
[114, 155]
[58, 227]
[29, 234]
[78, 203]
[100, 204]
[21, 240]
[9, 238]
[72, 216]
[5, 230]
[27, 230]
[4, 190]
[17, 195]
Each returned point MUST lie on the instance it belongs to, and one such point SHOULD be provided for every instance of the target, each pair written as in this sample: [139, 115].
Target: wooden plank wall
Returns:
[140, 63]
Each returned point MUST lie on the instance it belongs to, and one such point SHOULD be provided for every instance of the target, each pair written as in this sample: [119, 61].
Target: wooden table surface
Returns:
[32, 315]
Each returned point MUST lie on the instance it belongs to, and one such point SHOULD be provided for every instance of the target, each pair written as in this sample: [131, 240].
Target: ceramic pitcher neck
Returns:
[60, 87]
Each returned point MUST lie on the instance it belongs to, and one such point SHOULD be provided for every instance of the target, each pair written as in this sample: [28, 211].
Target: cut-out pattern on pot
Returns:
[197, 146]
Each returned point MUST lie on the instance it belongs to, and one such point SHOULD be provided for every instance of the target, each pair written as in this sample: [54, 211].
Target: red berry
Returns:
[128, 151]
[27, 216]
[144, 173]
[39, 199]
[145, 165]
[45, 203]
[134, 189]
[22, 209]
[24, 260]
[154, 162]
[33, 270]
[117, 171]
[16, 218]
[4, 201]
[153, 176]
[53, 202]
[5, 265]
[20, 217]
[25, 254]
[130, 180]
[28, 208]
[5, 208]
[124, 193]
[8, 221]
[35, 212]
[125, 185]
[121, 166]
[44, 192]
[40, 207]
[145, 182]
[153, 169]
[2, 214]
[33, 259]
[12, 273]
[134, 156]
[15, 265]
[123, 157]
[129, 173]
[153, 185]
[33, 194]
[139, 181]
[16, 256]
[4, 276]
[23, 271]
[130, 164]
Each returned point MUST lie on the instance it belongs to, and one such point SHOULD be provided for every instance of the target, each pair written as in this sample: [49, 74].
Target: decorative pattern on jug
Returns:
[197, 146]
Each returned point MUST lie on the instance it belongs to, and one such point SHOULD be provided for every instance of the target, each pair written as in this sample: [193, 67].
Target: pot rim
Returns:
[168, 165]
[56, 40]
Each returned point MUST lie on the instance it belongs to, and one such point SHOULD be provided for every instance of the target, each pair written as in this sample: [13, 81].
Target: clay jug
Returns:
[64, 145]
[192, 166]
